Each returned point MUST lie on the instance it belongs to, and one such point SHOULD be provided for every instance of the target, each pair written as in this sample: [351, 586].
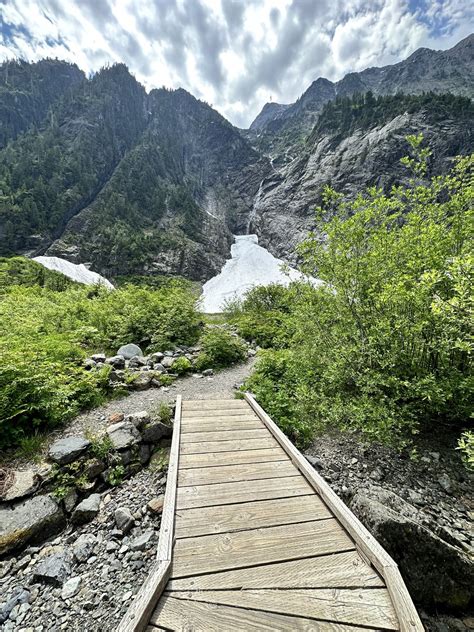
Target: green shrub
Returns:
[385, 345]
[466, 446]
[222, 347]
[165, 413]
[202, 362]
[181, 365]
[45, 335]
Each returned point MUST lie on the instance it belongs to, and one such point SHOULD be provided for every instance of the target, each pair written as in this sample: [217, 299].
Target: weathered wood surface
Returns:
[261, 542]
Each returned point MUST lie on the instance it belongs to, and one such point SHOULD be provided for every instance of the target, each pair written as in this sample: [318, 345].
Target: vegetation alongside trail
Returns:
[385, 345]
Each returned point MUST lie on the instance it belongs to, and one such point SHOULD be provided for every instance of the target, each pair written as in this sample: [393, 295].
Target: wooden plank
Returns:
[224, 435]
[185, 614]
[223, 458]
[212, 553]
[408, 616]
[264, 513]
[234, 473]
[341, 570]
[190, 415]
[221, 423]
[231, 493]
[201, 404]
[367, 606]
[228, 446]
[138, 614]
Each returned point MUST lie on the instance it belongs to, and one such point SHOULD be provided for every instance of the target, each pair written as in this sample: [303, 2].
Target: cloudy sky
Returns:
[234, 54]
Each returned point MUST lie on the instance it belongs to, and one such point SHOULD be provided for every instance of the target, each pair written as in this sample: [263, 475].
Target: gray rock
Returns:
[68, 449]
[18, 596]
[86, 510]
[208, 372]
[158, 367]
[89, 364]
[445, 483]
[70, 500]
[141, 381]
[19, 485]
[32, 520]
[129, 351]
[71, 587]
[156, 357]
[53, 569]
[167, 362]
[140, 419]
[93, 468]
[142, 542]
[84, 546]
[137, 361]
[314, 461]
[124, 519]
[436, 572]
[155, 431]
[98, 357]
[118, 361]
[144, 453]
[123, 435]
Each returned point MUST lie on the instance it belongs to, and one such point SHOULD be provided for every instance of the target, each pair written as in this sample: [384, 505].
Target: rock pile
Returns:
[35, 506]
[86, 578]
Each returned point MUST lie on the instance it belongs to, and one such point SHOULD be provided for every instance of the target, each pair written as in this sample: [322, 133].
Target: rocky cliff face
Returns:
[98, 171]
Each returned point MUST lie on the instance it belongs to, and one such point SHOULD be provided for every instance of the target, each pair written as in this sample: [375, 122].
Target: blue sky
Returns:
[235, 54]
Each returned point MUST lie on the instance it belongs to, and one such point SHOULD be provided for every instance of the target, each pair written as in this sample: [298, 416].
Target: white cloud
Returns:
[235, 54]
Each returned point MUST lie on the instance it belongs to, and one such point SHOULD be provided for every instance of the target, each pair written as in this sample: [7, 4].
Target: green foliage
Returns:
[165, 379]
[165, 413]
[101, 445]
[466, 446]
[115, 475]
[181, 366]
[203, 362]
[385, 344]
[46, 334]
[22, 271]
[343, 115]
[221, 347]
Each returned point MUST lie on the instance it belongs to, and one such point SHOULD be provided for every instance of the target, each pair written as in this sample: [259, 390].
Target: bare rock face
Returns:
[436, 572]
[31, 520]
[68, 449]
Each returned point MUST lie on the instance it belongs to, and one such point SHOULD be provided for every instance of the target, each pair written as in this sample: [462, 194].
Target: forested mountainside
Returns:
[97, 171]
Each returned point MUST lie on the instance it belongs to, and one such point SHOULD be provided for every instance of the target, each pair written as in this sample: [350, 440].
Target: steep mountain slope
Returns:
[27, 91]
[278, 127]
[174, 201]
[357, 142]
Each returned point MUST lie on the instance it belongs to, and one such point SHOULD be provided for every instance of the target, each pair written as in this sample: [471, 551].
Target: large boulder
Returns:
[32, 520]
[130, 351]
[68, 449]
[123, 435]
[155, 431]
[167, 362]
[436, 572]
[53, 569]
[19, 484]
[117, 361]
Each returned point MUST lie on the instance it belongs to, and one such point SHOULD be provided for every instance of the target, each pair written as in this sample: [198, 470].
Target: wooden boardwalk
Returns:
[252, 538]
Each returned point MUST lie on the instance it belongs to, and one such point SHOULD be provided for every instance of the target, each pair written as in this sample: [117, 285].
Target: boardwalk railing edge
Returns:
[366, 543]
[138, 615]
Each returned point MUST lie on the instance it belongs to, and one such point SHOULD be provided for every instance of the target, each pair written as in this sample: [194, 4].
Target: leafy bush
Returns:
[222, 347]
[46, 334]
[181, 366]
[385, 344]
[466, 446]
[165, 412]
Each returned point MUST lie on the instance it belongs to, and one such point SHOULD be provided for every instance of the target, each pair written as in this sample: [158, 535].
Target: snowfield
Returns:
[249, 266]
[76, 272]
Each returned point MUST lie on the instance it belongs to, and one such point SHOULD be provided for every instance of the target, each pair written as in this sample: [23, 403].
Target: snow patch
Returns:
[76, 272]
[250, 265]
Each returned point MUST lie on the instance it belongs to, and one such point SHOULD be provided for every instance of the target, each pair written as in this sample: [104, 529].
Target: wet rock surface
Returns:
[419, 504]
